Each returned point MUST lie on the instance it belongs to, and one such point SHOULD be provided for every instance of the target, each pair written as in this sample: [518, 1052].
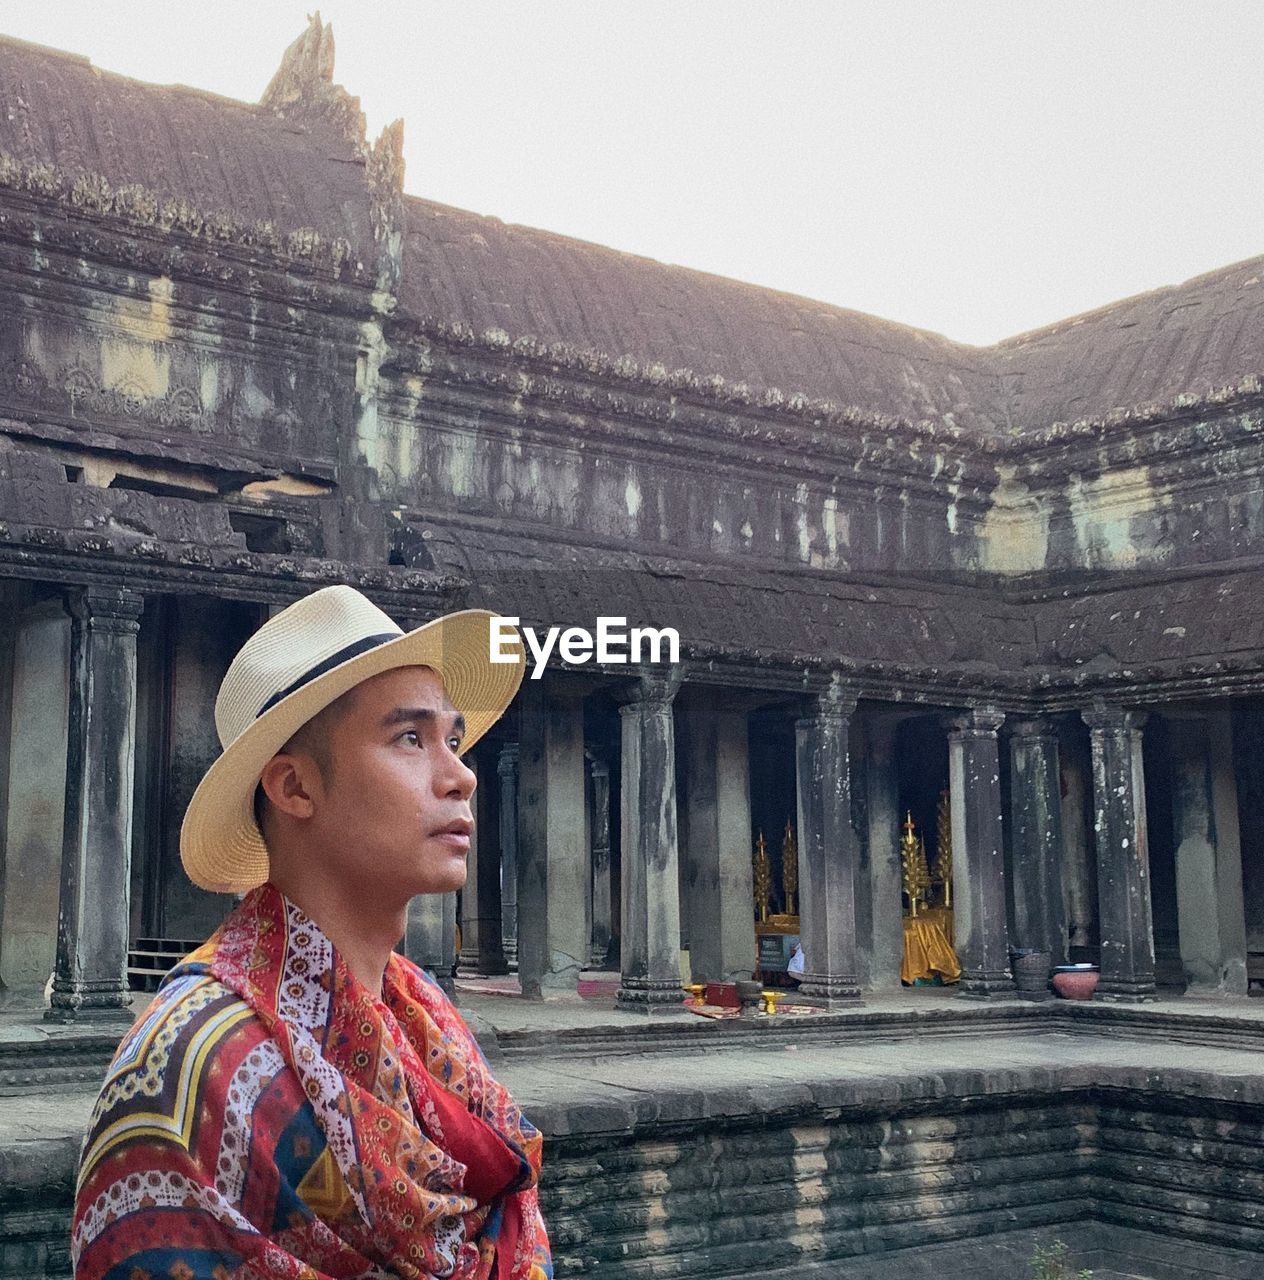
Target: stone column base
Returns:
[830, 990]
[986, 984]
[95, 1002]
[1126, 991]
[650, 992]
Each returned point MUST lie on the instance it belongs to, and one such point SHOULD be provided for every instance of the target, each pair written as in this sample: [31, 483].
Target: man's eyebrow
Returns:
[410, 715]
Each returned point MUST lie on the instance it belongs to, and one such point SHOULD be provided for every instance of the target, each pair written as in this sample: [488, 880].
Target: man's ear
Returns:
[289, 781]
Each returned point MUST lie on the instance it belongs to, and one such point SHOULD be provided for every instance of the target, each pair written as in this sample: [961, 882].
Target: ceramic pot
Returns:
[1075, 983]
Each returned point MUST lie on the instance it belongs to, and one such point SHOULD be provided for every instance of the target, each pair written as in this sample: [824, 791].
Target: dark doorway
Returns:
[183, 650]
[1248, 767]
[921, 755]
[773, 789]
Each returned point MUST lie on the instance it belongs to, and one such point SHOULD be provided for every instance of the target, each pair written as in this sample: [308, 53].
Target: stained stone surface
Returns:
[237, 358]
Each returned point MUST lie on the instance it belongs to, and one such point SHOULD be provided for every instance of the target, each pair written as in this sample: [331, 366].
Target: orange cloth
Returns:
[928, 946]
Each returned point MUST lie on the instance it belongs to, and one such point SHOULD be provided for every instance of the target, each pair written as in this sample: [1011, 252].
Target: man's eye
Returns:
[410, 735]
[455, 744]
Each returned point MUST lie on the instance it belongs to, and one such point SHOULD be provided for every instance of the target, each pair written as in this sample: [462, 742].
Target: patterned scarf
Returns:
[268, 1116]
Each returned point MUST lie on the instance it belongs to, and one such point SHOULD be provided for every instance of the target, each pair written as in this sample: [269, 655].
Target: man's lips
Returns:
[454, 834]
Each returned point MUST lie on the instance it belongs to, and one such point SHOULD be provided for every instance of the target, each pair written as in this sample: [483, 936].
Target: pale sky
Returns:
[975, 167]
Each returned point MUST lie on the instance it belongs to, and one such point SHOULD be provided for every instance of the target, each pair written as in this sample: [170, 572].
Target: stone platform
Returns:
[920, 1132]
[587, 1026]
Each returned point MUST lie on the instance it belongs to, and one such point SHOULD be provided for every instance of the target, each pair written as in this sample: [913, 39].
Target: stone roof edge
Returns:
[84, 556]
[965, 350]
[67, 55]
[1011, 344]
[1247, 392]
[693, 429]
[93, 195]
[307, 248]
[1145, 684]
[176, 87]
[1043, 587]
[590, 363]
[303, 89]
[716, 392]
[1033, 687]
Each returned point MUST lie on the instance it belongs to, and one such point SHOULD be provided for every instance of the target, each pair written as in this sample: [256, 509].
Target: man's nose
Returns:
[460, 779]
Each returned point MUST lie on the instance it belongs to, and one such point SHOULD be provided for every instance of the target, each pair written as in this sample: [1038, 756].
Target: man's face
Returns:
[396, 811]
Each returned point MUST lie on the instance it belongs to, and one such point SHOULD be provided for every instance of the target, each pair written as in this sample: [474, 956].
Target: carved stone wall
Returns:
[861, 1184]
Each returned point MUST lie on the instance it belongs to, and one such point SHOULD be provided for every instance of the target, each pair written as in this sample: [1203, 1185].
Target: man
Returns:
[299, 1100]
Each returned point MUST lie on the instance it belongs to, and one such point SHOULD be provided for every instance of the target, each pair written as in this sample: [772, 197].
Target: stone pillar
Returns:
[1123, 879]
[430, 936]
[553, 875]
[650, 942]
[880, 932]
[37, 717]
[827, 849]
[586, 897]
[90, 976]
[1036, 838]
[599, 828]
[489, 949]
[978, 859]
[1211, 917]
[717, 861]
[507, 771]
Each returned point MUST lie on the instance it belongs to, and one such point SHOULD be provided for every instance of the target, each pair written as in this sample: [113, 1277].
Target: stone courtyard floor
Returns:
[559, 1053]
[499, 1000]
[566, 1051]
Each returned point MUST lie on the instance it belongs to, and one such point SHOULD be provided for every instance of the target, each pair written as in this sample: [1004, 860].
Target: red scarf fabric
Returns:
[334, 1133]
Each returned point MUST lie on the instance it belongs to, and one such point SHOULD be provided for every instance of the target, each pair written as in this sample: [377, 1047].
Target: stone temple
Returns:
[1006, 597]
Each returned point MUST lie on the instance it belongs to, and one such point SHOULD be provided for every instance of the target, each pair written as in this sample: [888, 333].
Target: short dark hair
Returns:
[314, 739]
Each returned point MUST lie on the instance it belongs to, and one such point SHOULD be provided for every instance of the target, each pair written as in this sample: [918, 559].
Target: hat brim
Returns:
[221, 846]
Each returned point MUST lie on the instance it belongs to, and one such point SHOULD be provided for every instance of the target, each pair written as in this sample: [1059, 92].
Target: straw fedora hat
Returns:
[294, 666]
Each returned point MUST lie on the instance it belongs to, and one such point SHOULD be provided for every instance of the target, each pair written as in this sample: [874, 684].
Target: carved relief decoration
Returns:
[76, 394]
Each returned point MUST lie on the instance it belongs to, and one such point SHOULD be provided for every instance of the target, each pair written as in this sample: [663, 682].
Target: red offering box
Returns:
[723, 994]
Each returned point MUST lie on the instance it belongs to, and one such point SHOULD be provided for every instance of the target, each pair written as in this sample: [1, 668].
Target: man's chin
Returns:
[449, 878]
[457, 882]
